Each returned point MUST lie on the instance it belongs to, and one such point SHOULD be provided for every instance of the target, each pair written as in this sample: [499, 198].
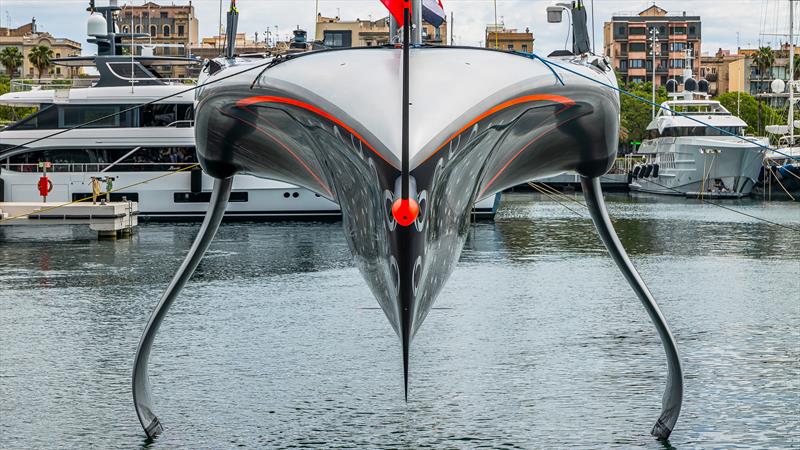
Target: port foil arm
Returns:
[673, 395]
[141, 383]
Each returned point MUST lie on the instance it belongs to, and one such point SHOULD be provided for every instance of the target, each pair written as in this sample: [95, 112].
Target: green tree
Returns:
[636, 115]
[764, 59]
[41, 57]
[11, 58]
[10, 113]
[748, 110]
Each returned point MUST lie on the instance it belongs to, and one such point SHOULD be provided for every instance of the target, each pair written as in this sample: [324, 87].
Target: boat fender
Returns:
[647, 170]
[637, 171]
[655, 170]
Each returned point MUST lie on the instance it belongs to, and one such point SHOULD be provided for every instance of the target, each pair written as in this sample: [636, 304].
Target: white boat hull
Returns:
[699, 164]
[167, 195]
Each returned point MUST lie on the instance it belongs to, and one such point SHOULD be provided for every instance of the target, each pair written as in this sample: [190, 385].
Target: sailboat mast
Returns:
[791, 72]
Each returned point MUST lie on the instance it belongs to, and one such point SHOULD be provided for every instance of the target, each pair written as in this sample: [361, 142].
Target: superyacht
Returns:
[688, 158]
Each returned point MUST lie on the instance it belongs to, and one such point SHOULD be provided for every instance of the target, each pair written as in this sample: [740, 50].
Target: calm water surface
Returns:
[536, 340]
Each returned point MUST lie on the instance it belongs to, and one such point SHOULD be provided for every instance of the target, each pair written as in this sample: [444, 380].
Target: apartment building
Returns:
[628, 43]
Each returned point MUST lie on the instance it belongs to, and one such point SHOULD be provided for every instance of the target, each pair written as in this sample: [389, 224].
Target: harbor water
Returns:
[535, 342]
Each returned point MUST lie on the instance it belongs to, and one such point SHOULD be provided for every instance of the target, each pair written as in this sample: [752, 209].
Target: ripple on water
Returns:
[536, 340]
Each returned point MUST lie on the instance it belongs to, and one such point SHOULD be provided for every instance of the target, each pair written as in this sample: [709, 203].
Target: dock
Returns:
[110, 220]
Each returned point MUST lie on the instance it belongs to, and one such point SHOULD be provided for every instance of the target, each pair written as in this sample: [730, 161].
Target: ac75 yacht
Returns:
[145, 141]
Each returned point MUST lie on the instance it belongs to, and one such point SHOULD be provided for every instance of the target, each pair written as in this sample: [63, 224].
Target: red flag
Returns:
[396, 7]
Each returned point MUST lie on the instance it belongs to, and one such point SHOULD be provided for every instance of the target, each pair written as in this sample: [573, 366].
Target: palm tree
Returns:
[40, 56]
[11, 58]
[764, 59]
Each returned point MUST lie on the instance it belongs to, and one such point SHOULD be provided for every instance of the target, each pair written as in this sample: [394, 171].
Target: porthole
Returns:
[285, 195]
[296, 194]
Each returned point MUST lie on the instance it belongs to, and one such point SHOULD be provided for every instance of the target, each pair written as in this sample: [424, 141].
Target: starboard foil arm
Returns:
[142, 399]
[673, 394]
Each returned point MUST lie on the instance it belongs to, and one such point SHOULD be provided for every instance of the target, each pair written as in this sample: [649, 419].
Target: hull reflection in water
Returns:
[331, 122]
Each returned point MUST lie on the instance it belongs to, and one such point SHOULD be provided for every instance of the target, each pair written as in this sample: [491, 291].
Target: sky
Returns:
[724, 22]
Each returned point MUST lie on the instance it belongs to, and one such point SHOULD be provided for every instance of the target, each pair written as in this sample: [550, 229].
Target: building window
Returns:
[679, 30]
[511, 47]
[138, 29]
[636, 47]
[677, 46]
[181, 30]
[637, 31]
[58, 70]
[662, 30]
[623, 64]
[636, 63]
[164, 15]
[166, 30]
[637, 79]
[664, 47]
[692, 30]
[337, 39]
[58, 55]
[153, 31]
[621, 31]
[676, 64]
[125, 29]
[525, 48]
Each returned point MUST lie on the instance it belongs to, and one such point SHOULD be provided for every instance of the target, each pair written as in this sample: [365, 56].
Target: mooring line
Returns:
[39, 211]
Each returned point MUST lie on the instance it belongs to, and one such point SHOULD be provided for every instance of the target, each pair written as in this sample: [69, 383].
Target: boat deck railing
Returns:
[59, 84]
[98, 167]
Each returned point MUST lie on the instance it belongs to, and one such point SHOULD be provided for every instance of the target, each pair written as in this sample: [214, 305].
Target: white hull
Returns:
[690, 165]
[170, 196]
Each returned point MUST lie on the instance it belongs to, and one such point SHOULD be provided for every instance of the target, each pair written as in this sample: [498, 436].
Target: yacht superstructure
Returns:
[696, 147]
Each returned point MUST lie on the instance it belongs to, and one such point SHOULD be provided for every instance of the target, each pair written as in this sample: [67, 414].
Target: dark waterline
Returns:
[536, 341]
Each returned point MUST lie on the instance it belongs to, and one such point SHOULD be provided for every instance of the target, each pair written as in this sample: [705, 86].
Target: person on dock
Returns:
[109, 188]
[95, 189]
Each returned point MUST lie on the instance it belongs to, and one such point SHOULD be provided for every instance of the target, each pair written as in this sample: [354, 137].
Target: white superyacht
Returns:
[688, 158]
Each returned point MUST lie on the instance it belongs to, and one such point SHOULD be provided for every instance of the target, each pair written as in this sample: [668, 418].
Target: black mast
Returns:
[404, 156]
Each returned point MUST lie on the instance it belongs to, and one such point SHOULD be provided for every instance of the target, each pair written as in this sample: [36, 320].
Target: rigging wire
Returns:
[536, 186]
[728, 208]
[112, 115]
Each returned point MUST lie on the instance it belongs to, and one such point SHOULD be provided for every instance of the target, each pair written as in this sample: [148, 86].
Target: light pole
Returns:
[653, 42]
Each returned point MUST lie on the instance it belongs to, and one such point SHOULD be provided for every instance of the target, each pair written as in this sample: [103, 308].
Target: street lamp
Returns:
[653, 42]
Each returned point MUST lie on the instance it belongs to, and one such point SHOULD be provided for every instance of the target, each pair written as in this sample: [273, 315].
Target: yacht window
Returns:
[149, 159]
[161, 115]
[70, 116]
[123, 70]
[697, 131]
[65, 116]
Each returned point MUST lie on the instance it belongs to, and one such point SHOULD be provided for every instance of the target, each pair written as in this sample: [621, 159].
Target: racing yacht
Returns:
[696, 147]
[140, 135]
